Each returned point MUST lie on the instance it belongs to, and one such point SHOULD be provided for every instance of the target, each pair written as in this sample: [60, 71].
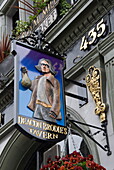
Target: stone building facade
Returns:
[85, 34]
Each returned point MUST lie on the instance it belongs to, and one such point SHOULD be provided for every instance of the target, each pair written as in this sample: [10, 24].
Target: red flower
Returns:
[89, 164]
[49, 160]
[73, 159]
[100, 167]
[81, 158]
[54, 167]
[93, 165]
[67, 156]
[75, 154]
[49, 165]
[57, 157]
[76, 168]
[90, 157]
[70, 165]
[62, 168]
[79, 168]
[45, 167]
[65, 163]
[64, 159]
[59, 162]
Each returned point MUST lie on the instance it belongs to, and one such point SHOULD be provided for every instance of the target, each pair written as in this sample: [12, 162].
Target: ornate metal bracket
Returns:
[103, 129]
[94, 84]
[37, 40]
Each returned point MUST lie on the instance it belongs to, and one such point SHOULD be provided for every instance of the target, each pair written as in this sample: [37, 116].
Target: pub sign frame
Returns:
[31, 58]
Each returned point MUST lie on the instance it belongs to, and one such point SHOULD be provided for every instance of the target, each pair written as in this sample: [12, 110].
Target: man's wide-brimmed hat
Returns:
[38, 67]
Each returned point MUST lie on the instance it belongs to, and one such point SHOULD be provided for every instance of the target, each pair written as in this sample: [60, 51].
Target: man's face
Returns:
[45, 66]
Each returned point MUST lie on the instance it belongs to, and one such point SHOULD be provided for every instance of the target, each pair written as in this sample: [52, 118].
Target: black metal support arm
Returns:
[103, 129]
[76, 96]
[85, 99]
[75, 82]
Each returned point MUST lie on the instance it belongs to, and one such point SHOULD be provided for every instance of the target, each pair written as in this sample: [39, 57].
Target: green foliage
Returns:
[35, 10]
[32, 17]
[21, 27]
[39, 5]
[64, 6]
[83, 165]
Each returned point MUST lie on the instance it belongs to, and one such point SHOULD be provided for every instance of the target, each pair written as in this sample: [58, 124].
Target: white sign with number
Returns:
[93, 34]
[48, 21]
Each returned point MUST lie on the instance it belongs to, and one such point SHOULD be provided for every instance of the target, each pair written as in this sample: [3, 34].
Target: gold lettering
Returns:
[45, 135]
[55, 128]
[35, 132]
[19, 119]
[44, 126]
[50, 127]
[30, 130]
[38, 133]
[61, 130]
[65, 131]
[28, 122]
[50, 136]
[22, 120]
[55, 136]
[38, 124]
[34, 123]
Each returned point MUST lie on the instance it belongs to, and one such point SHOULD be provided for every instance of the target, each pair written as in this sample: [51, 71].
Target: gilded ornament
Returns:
[93, 82]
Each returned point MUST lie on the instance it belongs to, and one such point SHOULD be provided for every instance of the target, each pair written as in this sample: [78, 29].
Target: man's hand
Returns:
[26, 82]
[52, 115]
[24, 70]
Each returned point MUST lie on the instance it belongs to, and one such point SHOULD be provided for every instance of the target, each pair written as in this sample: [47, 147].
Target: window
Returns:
[15, 18]
[74, 142]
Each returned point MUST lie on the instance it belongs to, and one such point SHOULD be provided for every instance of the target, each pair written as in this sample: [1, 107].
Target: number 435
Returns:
[93, 34]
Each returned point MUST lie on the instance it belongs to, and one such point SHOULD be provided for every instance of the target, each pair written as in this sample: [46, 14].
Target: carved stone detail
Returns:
[94, 84]
[7, 97]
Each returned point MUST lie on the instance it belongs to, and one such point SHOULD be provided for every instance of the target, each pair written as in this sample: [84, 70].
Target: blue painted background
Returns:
[29, 58]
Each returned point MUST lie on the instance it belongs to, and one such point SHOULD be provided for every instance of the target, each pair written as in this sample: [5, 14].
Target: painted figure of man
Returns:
[45, 98]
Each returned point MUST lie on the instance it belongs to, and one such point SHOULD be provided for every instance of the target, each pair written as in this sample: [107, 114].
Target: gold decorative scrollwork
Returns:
[93, 82]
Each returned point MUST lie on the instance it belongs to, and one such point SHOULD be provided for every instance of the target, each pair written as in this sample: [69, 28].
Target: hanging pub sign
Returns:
[39, 94]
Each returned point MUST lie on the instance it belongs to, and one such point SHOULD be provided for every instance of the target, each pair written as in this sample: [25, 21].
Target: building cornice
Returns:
[67, 19]
[77, 22]
[100, 50]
